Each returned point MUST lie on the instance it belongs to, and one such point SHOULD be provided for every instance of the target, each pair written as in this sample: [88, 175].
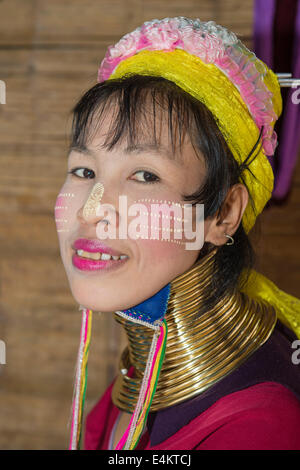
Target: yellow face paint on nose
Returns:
[93, 201]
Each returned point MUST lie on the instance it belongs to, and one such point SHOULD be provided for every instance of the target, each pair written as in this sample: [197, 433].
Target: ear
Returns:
[228, 219]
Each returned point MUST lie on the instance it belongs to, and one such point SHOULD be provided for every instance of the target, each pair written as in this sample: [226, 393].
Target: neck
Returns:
[200, 350]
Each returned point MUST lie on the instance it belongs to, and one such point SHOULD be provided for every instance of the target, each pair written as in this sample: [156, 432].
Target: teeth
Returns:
[98, 256]
[86, 254]
[105, 256]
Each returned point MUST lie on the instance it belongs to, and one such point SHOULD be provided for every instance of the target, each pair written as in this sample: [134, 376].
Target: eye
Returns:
[146, 177]
[85, 173]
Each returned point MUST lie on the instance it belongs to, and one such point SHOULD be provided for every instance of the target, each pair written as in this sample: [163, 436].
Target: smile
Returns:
[93, 255]
[99, 255]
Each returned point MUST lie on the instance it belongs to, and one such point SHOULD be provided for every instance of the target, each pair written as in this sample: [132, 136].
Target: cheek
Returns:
[161, 252]
[159, 232]
[67, 204]
[61, 212]
[166, 224]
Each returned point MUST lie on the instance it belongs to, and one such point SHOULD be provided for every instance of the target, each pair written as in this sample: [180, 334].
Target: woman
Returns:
[183, 114]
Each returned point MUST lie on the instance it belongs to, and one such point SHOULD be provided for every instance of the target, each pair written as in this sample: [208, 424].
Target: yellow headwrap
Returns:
[210, 86]
[207, 83]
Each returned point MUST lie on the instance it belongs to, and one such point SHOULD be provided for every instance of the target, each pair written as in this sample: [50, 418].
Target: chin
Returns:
[108, 305]
[108, 297]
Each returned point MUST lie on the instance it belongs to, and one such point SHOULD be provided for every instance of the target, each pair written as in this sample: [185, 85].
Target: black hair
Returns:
[192, 117]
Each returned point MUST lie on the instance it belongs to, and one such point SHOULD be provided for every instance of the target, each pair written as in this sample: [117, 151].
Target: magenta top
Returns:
[256, 407]
[265, 416]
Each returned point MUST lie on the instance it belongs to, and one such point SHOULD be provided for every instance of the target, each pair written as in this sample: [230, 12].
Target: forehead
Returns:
[147, 132]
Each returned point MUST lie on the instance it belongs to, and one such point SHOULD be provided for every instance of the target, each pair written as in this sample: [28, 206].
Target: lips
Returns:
[94, 246]
[85, 264]
[93, 255]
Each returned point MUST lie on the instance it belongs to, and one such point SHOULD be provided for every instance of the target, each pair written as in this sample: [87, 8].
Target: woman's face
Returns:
[147, 265]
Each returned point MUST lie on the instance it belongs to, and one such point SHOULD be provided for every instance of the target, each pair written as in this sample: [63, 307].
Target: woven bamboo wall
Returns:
[49, 53]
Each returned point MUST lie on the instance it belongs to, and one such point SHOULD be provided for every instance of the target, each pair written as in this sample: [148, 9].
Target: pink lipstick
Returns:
[93, 254]
[94, 246]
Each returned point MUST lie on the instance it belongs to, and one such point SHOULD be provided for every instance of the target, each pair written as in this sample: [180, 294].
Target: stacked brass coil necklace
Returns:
[201, 350]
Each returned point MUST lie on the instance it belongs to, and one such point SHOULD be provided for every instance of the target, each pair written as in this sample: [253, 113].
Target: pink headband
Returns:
[212, 43]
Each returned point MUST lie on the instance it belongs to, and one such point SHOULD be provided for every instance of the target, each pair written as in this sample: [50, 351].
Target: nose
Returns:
[93, 201]
[94, 208]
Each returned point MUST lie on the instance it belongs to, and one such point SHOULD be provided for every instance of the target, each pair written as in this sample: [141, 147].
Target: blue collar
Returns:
[152, 309]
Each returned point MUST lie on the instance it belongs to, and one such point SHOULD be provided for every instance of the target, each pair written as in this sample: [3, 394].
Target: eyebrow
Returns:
[155, 148]
[81, 149]
[150, 147]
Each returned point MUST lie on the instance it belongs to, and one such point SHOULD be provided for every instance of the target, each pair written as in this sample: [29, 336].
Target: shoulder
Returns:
[263, 416]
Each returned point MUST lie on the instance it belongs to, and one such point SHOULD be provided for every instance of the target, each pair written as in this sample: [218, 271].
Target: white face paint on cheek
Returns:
[165, 255]
[161, 221]
[67, 205]
[61, 211]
